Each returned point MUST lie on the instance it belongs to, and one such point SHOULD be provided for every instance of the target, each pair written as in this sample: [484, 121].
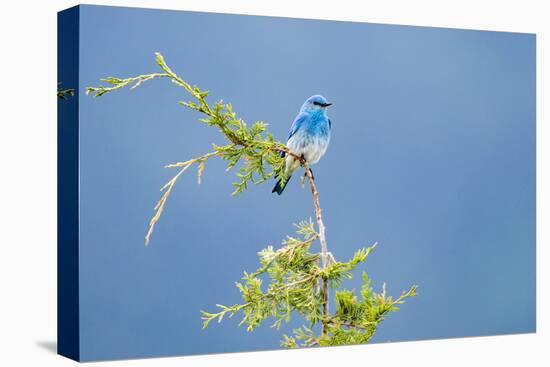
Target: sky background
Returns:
[432, 156]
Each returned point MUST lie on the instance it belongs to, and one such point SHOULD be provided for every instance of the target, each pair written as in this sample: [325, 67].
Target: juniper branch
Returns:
[297, 283]
[252, 146]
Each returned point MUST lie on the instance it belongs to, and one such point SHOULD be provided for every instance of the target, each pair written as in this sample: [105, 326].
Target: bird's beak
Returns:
[327, 104]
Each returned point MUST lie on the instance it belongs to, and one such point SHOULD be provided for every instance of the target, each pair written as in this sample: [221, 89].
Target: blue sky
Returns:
[432, 156]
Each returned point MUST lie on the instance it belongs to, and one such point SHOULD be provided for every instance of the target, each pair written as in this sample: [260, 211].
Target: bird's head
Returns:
[314, 103]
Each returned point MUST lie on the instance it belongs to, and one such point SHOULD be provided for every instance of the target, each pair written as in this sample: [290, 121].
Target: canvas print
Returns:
[234, 183]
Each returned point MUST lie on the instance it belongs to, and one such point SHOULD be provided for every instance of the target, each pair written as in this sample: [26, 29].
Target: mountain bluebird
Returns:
[308, 137]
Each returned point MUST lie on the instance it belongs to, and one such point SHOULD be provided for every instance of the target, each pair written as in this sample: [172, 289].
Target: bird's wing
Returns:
[297, 124]
[329, 124]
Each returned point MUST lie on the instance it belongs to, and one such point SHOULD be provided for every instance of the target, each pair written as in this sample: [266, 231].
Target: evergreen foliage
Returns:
[64, 94]
[297, 279]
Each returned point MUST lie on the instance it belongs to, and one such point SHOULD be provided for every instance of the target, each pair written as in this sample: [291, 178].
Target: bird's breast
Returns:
[311, 146]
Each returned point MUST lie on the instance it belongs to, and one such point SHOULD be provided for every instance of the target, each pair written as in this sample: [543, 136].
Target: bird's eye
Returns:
[316, 103]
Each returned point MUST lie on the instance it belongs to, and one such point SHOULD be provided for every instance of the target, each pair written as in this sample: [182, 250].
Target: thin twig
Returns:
[167, 188]
[159, 208]
[322, 240]
[318, 214]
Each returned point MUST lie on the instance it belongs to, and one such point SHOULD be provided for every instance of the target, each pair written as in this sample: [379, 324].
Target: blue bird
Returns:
[308, 137]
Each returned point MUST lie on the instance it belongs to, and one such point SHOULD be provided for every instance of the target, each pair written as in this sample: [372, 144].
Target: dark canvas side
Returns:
[68, 341]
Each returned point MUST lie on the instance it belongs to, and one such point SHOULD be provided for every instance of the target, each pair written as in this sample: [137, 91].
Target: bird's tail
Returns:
[280, 186]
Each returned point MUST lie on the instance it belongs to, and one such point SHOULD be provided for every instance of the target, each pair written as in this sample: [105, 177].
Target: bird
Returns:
[308, 137]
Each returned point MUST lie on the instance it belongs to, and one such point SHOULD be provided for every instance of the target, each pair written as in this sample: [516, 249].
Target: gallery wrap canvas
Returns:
[231, 183]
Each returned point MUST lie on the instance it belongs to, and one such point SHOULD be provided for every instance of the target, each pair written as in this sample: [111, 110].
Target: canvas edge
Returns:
[68, 315]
